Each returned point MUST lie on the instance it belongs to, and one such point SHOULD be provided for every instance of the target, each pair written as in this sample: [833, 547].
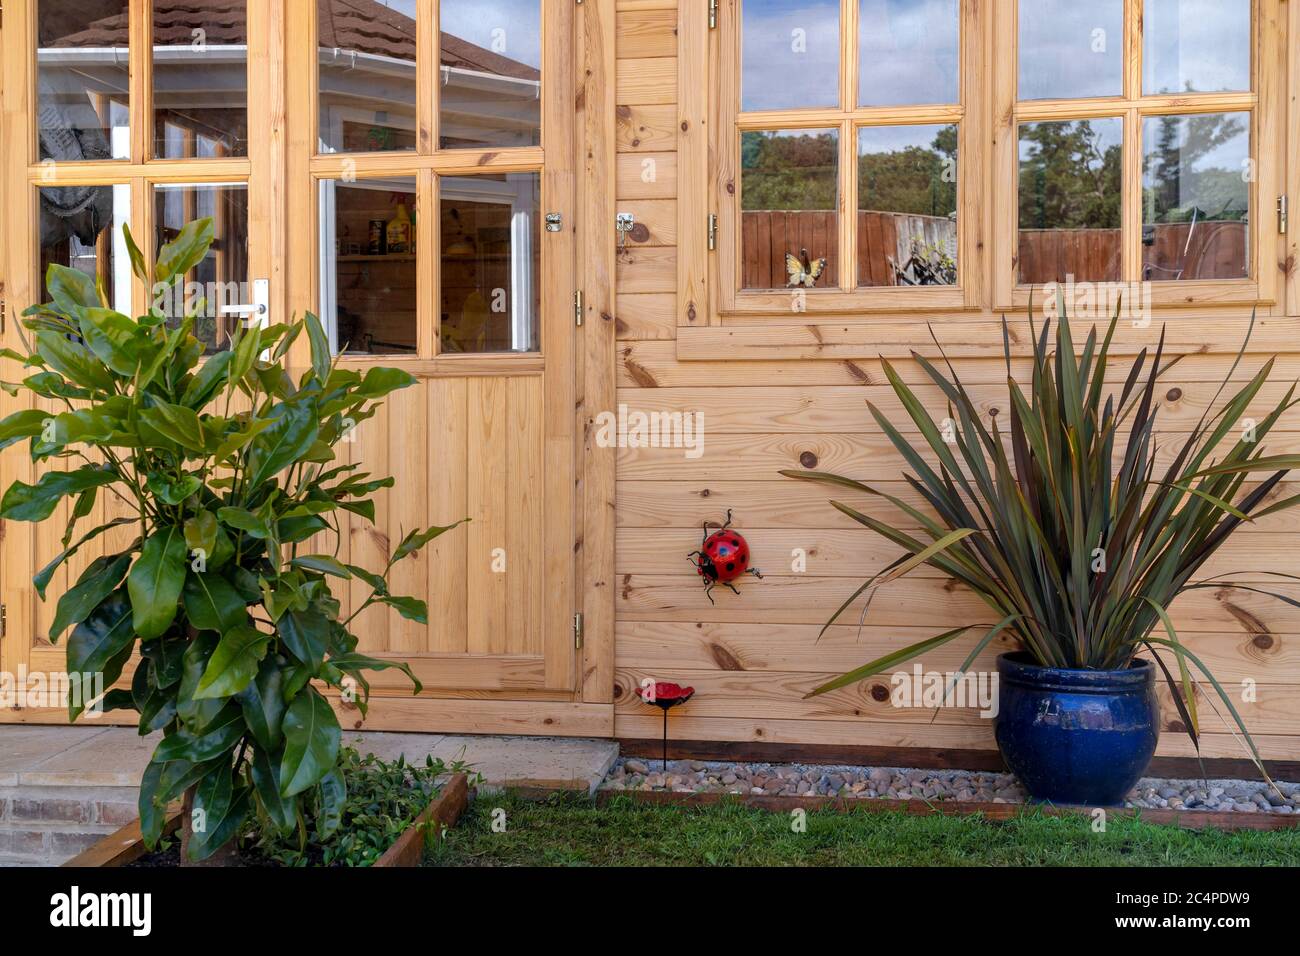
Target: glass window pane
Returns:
[908, 52]
[367, 75]
[789, 197]
[1070, 200]
[490, 82]
[1195, 46]
[790, 54]
[221, 280]
[81, 79]
[1070, 49]
[200, 79]
[907, 205]
[489, 262]
[81, 227]
[1196, 196]
[368, 276]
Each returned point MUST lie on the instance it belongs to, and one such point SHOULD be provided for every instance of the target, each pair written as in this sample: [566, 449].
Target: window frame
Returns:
[1265, 101]
[140, 169]
[428, 163]
[729, 123]
[708, 290]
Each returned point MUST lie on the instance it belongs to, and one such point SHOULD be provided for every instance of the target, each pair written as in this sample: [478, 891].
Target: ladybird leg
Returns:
[708, 589]
[733, 587]
[726, 524]
[756, 573]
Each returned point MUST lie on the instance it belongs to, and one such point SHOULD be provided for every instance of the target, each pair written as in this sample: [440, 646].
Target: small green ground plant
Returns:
[227, 467]
[383, 799]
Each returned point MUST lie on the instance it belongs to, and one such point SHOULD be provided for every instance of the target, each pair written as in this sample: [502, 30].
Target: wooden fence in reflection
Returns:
[1216, 250]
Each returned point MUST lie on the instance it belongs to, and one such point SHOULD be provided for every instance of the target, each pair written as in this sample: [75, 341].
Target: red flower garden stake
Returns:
[665, 696]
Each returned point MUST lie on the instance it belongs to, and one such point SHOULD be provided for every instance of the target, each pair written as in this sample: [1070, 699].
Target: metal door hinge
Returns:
[713, 14]
[554, 221]
[4, 620]
[577, 630]
[713, 231]
[1282, 213]
[579, 307]
[2, 314]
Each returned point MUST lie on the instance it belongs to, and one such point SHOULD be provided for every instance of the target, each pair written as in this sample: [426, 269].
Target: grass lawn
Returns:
[570, 831]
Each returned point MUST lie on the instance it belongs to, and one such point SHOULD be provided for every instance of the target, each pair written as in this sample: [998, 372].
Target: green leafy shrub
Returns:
[1079, 560]
[233, 624]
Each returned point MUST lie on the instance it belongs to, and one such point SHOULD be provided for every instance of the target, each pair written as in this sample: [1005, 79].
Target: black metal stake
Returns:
[665, 740]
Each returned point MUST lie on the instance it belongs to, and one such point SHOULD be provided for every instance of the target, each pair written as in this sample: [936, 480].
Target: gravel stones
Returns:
[901, 783]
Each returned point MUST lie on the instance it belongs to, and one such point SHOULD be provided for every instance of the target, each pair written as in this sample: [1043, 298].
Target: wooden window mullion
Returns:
[140, 86]
[428, 74]
[848, 204]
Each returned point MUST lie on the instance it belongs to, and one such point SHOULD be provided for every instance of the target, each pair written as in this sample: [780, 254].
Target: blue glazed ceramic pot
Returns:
[1076, 736]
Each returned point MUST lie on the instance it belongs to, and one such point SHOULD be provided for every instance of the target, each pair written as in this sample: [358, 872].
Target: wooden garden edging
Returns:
[1188, 819]
[126, 845]
[442, 812]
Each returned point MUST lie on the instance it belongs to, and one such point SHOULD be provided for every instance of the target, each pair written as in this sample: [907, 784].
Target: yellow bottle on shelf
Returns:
[399, 232]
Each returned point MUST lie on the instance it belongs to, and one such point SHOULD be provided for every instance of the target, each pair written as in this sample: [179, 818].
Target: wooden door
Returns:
[431, 222]
[146, 114]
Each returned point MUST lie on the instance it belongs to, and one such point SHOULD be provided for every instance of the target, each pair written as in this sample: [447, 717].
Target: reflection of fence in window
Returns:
[1206, 250]
[886, 241]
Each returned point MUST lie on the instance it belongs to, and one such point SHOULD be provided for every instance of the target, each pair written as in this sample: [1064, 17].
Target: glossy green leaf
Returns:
[303, 634]
[100, 639]
[263, 704]
[24, 502]
[183, 253]
[156, 581]
[222, 809]
[172, 423]
[196, 713]
[282, 811]
[100, 579]
[213, 604]
[118, 342]
[311, 742]
[27, 423]
[333, 798]
[73, 361]
[71, 289]
[320, 347]
[292, 431]
[233, 664]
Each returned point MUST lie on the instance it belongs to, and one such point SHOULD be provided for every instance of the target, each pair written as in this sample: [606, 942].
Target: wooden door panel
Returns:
[456, 448]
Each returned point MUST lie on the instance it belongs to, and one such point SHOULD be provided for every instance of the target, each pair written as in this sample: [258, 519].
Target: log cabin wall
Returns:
[752, 657]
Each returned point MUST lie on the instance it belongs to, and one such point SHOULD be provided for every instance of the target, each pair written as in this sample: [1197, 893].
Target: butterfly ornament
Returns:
[803, 272]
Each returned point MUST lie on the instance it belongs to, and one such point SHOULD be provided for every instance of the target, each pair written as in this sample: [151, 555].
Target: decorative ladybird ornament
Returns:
[722, 558]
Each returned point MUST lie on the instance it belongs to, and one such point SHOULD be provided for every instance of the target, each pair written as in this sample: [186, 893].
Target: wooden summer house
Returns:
[556, 211]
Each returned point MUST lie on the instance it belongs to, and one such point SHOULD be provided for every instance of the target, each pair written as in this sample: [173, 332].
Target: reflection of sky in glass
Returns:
[491, 23]
[1196, 45]
[1212, 180]
[1070, 48]
[893, 139]
[1106, 132]
[907, 52]
[790, 54]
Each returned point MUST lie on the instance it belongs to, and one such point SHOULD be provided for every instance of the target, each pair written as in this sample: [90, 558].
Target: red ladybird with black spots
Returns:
[723, 557]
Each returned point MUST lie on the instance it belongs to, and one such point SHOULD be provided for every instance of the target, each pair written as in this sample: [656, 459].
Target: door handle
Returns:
[260, 305]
